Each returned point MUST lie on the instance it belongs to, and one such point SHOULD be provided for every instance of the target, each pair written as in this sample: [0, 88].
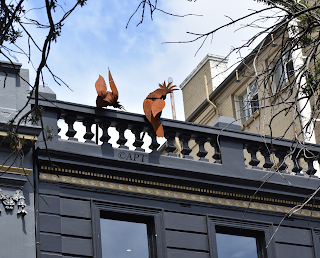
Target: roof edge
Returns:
[208, 57]
[228, 79]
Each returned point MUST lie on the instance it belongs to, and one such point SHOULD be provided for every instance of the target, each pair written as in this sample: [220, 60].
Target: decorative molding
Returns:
[179, 187]
[22, 136]
[16, 181]
[15, 170]
[7, 114]
[174, 194]
[29, 139]
[9, 201]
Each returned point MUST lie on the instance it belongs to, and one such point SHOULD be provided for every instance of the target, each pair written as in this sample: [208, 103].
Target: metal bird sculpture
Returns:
[154, 104]
[106, 98]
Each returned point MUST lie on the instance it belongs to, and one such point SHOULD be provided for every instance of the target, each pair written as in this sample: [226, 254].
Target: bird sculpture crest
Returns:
[154, 104]
[106, 98]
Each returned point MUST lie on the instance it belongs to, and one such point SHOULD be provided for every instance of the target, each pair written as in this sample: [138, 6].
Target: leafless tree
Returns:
[17, 22]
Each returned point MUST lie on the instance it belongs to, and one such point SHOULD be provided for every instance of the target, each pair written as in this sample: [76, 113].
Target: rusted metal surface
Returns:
[154, 104]
[106, 98]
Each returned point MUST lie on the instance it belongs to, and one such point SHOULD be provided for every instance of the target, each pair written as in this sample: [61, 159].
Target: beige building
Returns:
[254, 104]
[251, 103]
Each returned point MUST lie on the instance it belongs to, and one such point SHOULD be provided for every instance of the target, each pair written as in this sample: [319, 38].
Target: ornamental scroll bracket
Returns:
[9, 201]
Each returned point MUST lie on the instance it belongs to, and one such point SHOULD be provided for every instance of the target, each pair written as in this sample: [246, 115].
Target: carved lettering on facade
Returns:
[131, 156]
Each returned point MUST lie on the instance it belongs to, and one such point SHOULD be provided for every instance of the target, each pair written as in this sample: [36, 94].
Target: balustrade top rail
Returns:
[64, 109]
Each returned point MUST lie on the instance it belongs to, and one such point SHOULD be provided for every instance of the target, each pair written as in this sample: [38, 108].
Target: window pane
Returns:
[245, 113]
[280, 75]
[253, 97]
[290, 69]
[253, 88]
[254, 103]
[232, 246]
[122, 239]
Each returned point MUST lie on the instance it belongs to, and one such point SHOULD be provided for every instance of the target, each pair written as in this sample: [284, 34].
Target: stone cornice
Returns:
[225, 198]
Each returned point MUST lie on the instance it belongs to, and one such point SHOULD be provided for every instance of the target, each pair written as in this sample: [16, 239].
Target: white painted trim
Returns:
[208, 57]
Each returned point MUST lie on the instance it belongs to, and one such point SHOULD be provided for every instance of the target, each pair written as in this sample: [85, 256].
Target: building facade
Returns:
[95, 200]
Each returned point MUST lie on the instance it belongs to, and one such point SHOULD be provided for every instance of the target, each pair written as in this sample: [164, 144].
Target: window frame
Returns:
[238, 99]
[256, 228]
[151, 216]
[288, 74]
[316, 242]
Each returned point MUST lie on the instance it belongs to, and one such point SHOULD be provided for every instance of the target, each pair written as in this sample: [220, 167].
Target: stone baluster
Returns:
[70, 120]
[88, 135]
[217, 153]
[170, 136]
[202, 151]
[185, 138]
[296, 166]
[252, 150]
[122, 140]
[154, 144]
[310, 159]
[58, 128]
[104, 125]
[281, 154]
[136, 130]
[266, 153]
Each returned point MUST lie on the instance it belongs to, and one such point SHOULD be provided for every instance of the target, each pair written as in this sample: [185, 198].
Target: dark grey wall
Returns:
[17, 232]
[68, 212]
[66, 224]
[65, 227]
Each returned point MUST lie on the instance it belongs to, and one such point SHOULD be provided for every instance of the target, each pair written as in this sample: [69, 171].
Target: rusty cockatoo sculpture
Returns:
[154, 104]
[106, 98]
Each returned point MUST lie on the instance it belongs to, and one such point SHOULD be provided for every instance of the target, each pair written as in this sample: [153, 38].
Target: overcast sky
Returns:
[95, 37]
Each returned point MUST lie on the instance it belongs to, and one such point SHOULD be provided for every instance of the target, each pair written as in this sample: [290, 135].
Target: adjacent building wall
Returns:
[195, 100]
[14, 88]
[193, 87]
[17, 230]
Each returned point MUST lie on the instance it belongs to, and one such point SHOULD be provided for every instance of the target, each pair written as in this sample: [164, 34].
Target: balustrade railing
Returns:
[211, 144]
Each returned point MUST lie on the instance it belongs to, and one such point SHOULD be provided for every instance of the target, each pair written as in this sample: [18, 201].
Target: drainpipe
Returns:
[173, 107]
[208, 99]
[304, 104]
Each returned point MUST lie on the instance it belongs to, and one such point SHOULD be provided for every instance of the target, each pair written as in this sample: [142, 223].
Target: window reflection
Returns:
[122, 239]
[233, 246]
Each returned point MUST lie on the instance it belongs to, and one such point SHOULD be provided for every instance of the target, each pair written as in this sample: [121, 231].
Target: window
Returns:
[247, 103]
[121, 238]
[126, 231]
[245, 244]
[241, 239]
[283, 72]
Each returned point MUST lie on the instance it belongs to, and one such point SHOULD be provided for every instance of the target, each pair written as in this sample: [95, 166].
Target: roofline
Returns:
[221, 59]
[9, 67]
[227, 80]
